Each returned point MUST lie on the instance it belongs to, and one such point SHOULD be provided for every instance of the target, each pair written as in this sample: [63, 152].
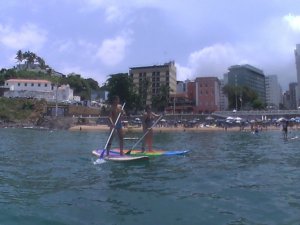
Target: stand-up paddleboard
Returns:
[116, 157]
[136, 152]
[292, 138]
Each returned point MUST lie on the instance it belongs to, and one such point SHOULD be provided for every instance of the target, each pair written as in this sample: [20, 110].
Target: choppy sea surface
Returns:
[50, 177]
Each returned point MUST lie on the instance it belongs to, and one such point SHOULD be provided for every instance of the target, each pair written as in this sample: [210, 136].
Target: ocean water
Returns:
[50, 177]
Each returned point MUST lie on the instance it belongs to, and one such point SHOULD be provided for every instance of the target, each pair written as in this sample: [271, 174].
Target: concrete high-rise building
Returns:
[248, 76]
[149, 79]
[293, 95]
[223, 97]
[273, 92]
[297, 58]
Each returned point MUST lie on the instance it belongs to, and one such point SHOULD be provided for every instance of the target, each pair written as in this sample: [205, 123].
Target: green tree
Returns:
[161, 100]
[19, 56]
[242, 96]
[122, 85]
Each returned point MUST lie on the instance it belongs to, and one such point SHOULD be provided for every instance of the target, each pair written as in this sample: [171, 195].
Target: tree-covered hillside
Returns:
[35, 67]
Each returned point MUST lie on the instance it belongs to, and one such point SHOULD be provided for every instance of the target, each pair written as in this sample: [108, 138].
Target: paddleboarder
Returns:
[115, 110]
[285, 129]
[147, 122]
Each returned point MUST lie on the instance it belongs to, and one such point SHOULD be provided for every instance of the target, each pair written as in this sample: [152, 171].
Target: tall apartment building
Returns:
[149, 79]
[297, 57]
[223, 97]
[249, 76]
[273, 92]
[207, 94]
[293, 95]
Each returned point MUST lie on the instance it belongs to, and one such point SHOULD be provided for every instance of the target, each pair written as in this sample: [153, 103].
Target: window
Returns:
[39, 84]
[19, 84]
[46, 85]
[25, 84]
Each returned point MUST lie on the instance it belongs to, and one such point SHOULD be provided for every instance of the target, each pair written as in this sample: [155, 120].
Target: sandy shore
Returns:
[165, 129]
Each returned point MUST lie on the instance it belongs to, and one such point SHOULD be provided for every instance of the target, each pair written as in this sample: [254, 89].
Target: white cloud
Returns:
[28, 36]
[112, 51]
[64, 46]
[293, 21]
[183, 73]
[213, 60]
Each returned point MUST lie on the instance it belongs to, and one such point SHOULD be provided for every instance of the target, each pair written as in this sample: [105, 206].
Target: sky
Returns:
[96, 38]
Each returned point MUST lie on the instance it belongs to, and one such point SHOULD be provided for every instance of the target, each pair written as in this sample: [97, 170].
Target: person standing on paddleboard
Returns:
[285, 125]
[147, 122]
[115, 110]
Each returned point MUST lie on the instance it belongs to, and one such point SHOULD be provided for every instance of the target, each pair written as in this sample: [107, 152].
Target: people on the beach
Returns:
[147, 123]
[285, 129]
[115, 110]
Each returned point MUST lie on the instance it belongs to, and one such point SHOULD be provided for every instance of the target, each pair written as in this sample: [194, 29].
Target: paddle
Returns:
[112, 131]
[128, 153]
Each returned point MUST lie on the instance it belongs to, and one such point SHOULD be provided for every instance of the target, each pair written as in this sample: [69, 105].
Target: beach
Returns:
[170, 129]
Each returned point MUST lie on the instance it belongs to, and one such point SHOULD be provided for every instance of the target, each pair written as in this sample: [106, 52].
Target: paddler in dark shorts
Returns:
[285, 125]
[147, 122]
[116, 108]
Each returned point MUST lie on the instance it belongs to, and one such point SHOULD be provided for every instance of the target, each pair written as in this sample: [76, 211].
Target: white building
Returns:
[39, 89]
[22, 88]
[273, 92]
[64, 93]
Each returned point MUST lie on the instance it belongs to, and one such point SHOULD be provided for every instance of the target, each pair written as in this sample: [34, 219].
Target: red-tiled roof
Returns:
[28, 81]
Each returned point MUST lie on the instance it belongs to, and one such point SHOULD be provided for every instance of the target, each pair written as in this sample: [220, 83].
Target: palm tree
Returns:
[41, 62]
[19, 57]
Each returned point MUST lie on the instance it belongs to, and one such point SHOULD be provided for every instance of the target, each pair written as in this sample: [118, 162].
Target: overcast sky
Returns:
[96, 38]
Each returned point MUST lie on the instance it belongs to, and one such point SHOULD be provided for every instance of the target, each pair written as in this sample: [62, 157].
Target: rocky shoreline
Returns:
[51, 123]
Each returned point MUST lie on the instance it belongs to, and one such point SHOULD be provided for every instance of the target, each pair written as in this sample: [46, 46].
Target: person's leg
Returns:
[150, 140]
[121, 140]
[144, 142]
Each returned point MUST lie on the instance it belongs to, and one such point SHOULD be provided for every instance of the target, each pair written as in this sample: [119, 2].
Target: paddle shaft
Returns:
[144, 134]
[112, 130]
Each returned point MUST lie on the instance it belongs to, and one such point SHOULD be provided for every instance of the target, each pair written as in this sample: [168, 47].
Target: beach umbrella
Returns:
[281, 119]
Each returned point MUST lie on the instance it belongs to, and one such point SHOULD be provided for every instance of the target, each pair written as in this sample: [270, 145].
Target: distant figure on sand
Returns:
[285, 125]
[116, 108]
[147, 122]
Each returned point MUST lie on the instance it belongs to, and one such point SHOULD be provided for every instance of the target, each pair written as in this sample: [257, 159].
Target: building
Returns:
[38, 89]
[273, 92]
[297, 58]
[64, 93]
[207, 94]
[181, 87]
[22, 88]
[223, 97]
[292, 96]
[149, 79]
[248, 76]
